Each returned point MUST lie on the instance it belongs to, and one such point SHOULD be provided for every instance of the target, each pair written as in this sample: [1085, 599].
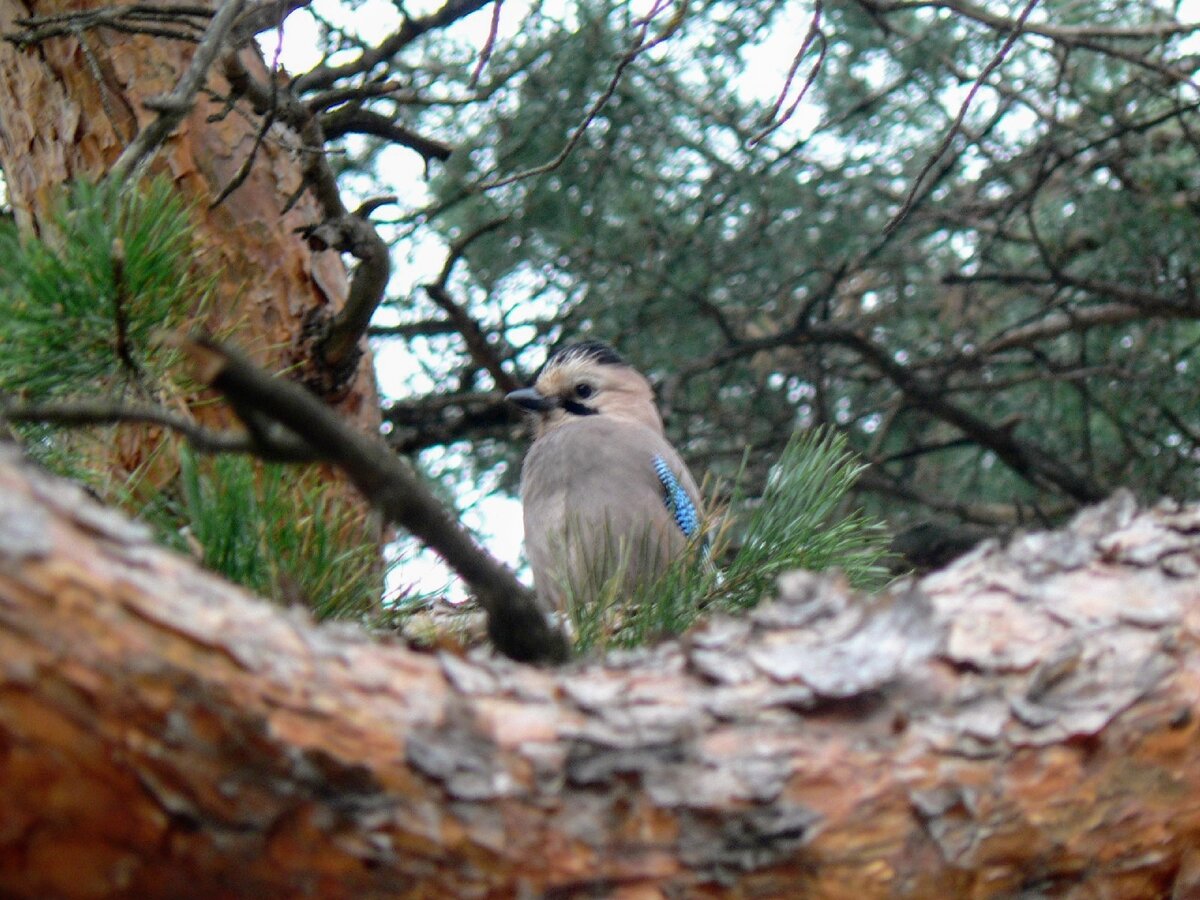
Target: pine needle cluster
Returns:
[274, 529]
[81, 311]
[797, 523]
[79, 306]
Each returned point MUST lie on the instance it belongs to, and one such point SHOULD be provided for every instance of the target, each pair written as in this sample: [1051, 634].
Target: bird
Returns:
[604, 494]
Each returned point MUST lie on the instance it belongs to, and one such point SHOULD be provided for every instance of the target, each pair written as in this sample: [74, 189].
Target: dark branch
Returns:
[174, 107]
[353, 119]
[277, 445]
[341, 229]
[516, 624]
[323, 77]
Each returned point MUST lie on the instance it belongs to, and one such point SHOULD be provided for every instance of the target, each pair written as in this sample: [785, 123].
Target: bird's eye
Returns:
[584, 390]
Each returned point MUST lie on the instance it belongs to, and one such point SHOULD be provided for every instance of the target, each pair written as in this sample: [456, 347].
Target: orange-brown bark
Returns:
[70, 105]
[1023, 721]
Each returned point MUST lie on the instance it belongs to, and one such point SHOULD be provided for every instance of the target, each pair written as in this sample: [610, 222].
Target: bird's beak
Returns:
[530, 399]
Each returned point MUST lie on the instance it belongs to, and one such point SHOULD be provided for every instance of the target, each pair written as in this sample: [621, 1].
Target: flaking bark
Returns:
[1023, 721]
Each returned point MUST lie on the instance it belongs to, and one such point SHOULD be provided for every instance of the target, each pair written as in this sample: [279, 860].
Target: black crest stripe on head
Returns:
[596, 351]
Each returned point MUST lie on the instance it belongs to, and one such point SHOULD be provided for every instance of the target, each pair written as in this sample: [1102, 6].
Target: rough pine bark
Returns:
[69, 105]
[1022, 723]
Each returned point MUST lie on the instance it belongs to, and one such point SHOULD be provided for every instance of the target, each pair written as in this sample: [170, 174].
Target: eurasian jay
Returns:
[603, 492]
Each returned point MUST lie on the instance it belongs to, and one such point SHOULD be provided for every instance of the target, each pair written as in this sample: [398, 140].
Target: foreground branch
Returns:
[1022, 723]
[274, 447]
[515, 623]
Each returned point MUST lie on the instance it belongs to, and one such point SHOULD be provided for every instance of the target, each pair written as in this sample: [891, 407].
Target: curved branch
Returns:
[515, 622]
[352, 119]
[324, 77]
[274, 446]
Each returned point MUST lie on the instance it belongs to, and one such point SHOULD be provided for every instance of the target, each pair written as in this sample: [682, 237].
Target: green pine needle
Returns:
[273, 529]
[80, 308]
[796, 524]
[80, 305]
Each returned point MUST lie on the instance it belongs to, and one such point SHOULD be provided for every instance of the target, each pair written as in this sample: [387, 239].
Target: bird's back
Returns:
[594, 506]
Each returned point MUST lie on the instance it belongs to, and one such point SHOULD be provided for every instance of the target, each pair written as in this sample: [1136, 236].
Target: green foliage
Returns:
[797, 523]
[722, 266]
[79, 312]
[273, 529]
[80, 305]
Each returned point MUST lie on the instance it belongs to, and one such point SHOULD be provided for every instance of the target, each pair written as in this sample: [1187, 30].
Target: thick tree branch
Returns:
[422, 423]
[1023, 722]
[355, 234]
[353, 119]
[421, 328]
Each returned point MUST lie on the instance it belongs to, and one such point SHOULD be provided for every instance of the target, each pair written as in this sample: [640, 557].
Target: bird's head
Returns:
[587, 379]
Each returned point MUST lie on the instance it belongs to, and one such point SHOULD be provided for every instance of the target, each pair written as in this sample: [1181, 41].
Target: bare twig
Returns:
[932, 161]
[268, 118]
[773, 119]
[243, 172]
[1060, 33]
[516, 624]
[280, 447]
[640, 46]
[173, 107]
[481, 352]
[486, 53]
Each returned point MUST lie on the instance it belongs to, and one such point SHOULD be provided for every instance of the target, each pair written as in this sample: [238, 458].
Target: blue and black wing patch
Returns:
[677, 501]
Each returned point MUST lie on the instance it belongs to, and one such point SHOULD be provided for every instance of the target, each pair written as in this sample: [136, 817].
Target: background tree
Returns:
[969, 247]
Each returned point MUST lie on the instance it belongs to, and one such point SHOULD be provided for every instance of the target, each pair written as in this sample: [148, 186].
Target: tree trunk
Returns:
[69, 106]
[1022, 722]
